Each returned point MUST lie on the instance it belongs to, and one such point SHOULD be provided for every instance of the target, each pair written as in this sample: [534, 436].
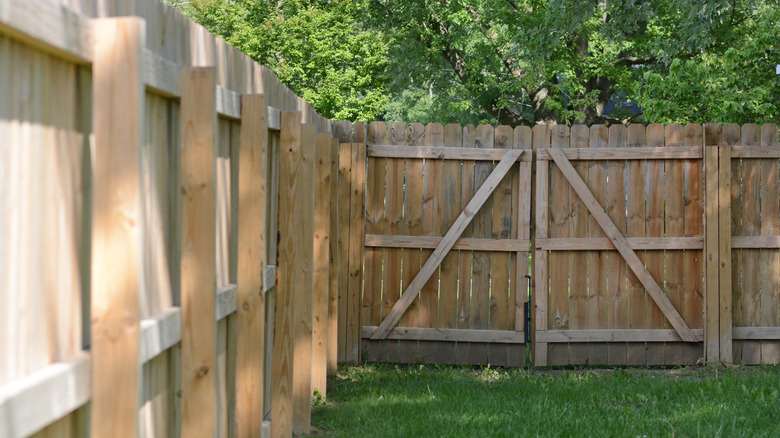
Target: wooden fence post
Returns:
[252, 219]
[198, 254]
[541, 139]
[116, 238]
[717, 242]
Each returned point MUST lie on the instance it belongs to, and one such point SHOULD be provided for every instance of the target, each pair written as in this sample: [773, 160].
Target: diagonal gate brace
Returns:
[621, 244]
[446, 244]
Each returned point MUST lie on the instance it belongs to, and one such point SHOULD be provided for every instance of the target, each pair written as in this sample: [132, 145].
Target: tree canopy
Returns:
[516, 62]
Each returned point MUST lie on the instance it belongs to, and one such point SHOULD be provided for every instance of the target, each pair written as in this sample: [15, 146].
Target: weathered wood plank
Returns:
[635, 151]
[290, 224]
[633, 335]
[198, 264]
[617, 270]
[450, 335]
[541, 139]
[654, 227]
[463, 243]
[712, 134]
[598, 280]
[446, 244]
[394, 205]
[116, 226]
[559, 262]
[441, 153]
[674, 185]
[430, 226]
[303, 266]
[769, 258]
[693, 263]
[622, 246]
[252, 253]
[321, 262]
[375, 223]
[750, 224]
[578, 227]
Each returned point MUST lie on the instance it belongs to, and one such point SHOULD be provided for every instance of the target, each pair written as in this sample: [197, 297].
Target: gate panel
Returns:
[466, 311]
[649, 204]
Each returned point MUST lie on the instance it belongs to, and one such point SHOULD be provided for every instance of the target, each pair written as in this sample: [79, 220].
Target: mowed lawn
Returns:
[435, 401]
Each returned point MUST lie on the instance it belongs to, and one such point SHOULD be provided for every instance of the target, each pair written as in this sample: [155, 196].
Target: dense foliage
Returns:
[516, 61]
[313, 47]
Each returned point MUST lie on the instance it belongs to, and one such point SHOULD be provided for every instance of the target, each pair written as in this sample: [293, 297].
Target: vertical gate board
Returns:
[751, 282]
[414, 136]
[541, 140]
[559, 260]
[693, 263]
[617, 286]
[578, 227]
[393, 256]
[654, 227]
[769, 258]
[342, 130]
[712, 136]
[598, 316]
[501, 272]
[635, 225]
[482, 224]
[466, 257]
[319, 322]
[736, 253]
[673, 225]
[375, 224]
[450, 209]
[731, 134]
[430, 226]
[344, 186]
[335, 262]
[521, 224]
[356, 237]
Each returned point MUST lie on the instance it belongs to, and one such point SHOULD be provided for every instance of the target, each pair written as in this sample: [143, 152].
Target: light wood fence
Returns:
[652, 245]
[147, 287]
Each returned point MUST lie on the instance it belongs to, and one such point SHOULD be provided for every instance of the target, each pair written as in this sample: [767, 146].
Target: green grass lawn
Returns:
[436, 401]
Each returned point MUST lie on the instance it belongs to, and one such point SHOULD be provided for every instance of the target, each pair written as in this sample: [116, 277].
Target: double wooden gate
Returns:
[630, 252]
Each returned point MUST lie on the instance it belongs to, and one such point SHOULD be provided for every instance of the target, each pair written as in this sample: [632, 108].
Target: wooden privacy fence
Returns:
[652, 245]
[165, 267]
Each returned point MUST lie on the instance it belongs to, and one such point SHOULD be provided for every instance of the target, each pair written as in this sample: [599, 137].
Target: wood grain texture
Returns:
[116, 228]
[375, 223]
[198, 262]
[333, 290]
[674, 186]
[578, 226]
[290, 227]
[559, 261]
[620, 243]
[445, 245]
[303, 268]
[430, 226]
[617, 287]
[356, 235]
[769, 258]
[541, 139]
[252, 252]
[321, 280]
[693, 264]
